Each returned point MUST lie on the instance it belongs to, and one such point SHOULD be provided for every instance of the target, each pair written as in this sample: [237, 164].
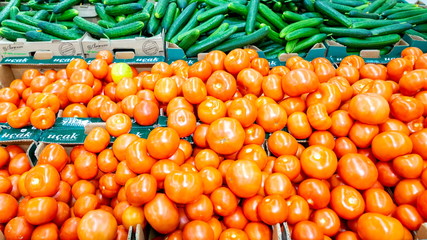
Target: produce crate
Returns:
[86, 10]
[139, 46]
[416, 41]
[336, 52]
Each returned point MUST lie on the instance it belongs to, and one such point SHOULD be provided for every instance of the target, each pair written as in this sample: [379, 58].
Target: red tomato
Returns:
[315, 192]
[307, 230]
[357, 171]
[162, 214]
[318, 162]
[347, 202]
[243, 177]
[273, 209]
[378, 226]
[97, 224]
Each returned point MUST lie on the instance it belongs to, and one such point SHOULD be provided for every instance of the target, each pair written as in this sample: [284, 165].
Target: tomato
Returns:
[5, 109]
[299, 126]
[224, 201]
[412, 82]
[282, 143]
[97, 224]
[397, 67]
[408, 166]
[307, 230]
[233, 234]
[357, 171]
[183, 121]
[420, 63]
[18, 228]
[408, 216]
[62, 214]
[327, 220]
[236, 60]
[347, 202]
[165, 89]
[133, 216]
[164, 69]
[323, 138]
[288, 165]
[120, 71]
[243, 177]
[272, 87]
[211, 109]
[206, 158]
[99, 68]
[273, 209]
[272, 117]
[344, 87]
[8, 207]
[244, 110]
[19, 164]
[211, 178]
[350, 73]
[162, 214]
[162, 142]
[20, 117]
[378, 226]
[318, 117]
[221, 85]
[419, 142]
[201, 209]
[300, 81]
[42, 180]
[41, 210]
[236, 220]
[407, 191]
[378, 201]
[363, 134]
[197, 229]
[55, 155]
[68, 230]
[347, 235]
[369, 108]
[315, 192]
[225, 142]
[299, 209]
[318, 162]
[258, 231]
[279, 183]
[5, 185]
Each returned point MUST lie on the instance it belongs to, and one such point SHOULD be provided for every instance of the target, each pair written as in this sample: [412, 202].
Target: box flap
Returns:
[422, 232]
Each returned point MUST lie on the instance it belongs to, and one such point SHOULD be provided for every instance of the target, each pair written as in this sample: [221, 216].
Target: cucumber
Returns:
[128, 29]
[181, 20]
[142, 16]
[244, 40]
[309, 42]
[189, 40]
[369, 42]
[324, 8]
[100, 10]
[212, 41]
[293, 17]
[421, 28]
[222, 28]
[42, 15]
[395, 28]
[271, 16]
[11, 34]
[346, 32]
[350, 3]
[41, 6]
[416, 33]
[341, 8]
[251, 18]
[373, 24]
[418, 19]
[36, 36]
[204, 27]
[312, 22]
[13, 12]
[374, 6]
[308, 5]
[361, 7]
[128, 8]
[148, 8]
[18, 26]
[64, 5]
[361, 14]
[106, 24]
[5, 12]
[182, 3]
[153, 25]
[169, 16]
[192, 23]
[301, 33]
[28, 20]
[215, 3]
[243, 11]
[387, 5]
[290, 46]
[405, 14]
[66, 15]
[396, 10]
[160, 9]
[67, 24]
[120, 18]
[237, 34]
[312, 15]
[142, 2]
[221, 9]
[117, 2]
[89, 27]
[272, 35]
[57, 31]
[241, 26]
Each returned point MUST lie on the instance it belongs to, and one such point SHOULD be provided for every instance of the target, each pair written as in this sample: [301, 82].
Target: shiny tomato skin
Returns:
[347, 202]
[97, 224]
[378, 226]
[162, 214]
[243, 177]
[357, 171]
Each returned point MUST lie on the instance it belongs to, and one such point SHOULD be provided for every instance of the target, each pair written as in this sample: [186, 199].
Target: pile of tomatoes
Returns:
[310, 144]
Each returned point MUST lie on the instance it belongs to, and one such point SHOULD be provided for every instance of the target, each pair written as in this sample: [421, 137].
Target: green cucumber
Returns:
[100, 10]
[192, 23]
[324, 8]
[160, 9]
[153, 25]
[222, 28]
[90, 27]
[301, 33]
[290, 46]
[361, 7]
[312, 22]
[42, 15]
[37, 36]
[272, 35]
[243, 11]
[18, 26]
[221, 9]
[169, 16]
[181, 20]
[387, 5]
[418, 19]
[128, 29]
[28, 20]
[374, 6]
[293, 17]
[405, 14]
[57, 31]
[369, 42]
[309, 42]
[148, 8]
[212, 41]
[350, 3]
[361, 14]
[311, 15]
[11, 34]
[308, 5]
[120, 18]
[416, 33]
[395, 28]
[67, 24]
[41, 6]
[106, 24]
[5, 12]
[189, 40]
[204, 27]
[244, 40]
[182, 3]
[421, 28]
[251, 18]
[271, 16]
[142, 16]
[64, 5]
[346, 32]
[237, 34]
[396, 10]
[142, 2]
[215, 3]
[128, 8]
[373, 24]
[65, 16]
[117, 2]
[341, 8]
[13, 12]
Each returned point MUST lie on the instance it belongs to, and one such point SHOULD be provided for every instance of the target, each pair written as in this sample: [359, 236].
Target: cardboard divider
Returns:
[416, 41]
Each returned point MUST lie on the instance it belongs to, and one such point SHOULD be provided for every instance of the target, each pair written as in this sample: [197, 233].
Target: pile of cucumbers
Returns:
[275, 26]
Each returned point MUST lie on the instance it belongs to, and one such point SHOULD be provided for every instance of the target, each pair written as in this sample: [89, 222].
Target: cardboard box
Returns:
[416, 41]
[139, 46]
[86, 10]
[174, 52]
[336, 52]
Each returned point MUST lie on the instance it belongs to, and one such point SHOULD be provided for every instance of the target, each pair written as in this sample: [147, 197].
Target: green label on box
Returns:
[75, 122]
[31, 60]
[63, 136]
[26, 134]
[136, 60]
